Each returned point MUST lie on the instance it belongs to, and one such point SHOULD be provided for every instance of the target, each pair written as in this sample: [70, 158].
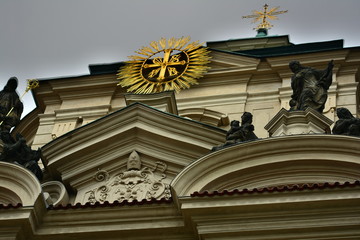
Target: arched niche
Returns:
[18, 185]
[271, 162]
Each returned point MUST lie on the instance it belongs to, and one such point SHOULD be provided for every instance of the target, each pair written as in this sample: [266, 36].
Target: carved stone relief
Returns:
[135, 183]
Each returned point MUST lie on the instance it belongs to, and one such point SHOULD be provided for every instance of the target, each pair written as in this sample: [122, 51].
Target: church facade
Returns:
[120, 165]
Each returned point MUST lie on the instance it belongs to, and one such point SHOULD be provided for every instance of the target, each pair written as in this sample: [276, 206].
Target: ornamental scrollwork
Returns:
[136, 183]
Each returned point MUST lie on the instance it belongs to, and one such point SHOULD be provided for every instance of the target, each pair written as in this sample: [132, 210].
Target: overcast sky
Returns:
[54, 38]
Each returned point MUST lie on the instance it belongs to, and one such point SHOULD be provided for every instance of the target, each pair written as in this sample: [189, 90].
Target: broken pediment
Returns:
[271, 162]
[164, 142]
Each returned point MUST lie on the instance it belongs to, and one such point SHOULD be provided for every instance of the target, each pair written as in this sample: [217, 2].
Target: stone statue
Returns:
[309, 86]
[242, 133]
[347, 123]
[238, 133]
[16, 151]
[11, 107]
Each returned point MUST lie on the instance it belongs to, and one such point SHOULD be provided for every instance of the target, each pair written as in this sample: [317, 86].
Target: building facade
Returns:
[119, 165]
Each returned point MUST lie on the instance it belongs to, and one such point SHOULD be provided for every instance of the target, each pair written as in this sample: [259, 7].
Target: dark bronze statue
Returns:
[238, 133]
[309, 86]
[11, 107]
[347, 123]
[16, 151]
[242, 133]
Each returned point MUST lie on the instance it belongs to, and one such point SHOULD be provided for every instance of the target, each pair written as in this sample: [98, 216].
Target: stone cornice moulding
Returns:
[260, 214]
[233, 59]
[89, 83]
[23, 222]
[353, 55]
[284, 122]
[336, 158]
[156, 221]
[124, 119]
[213, 100]
[54, 91]
[349, 69]
[72, 95]
[309, 59]
[206, 115]
[164, 101]
[74, 113]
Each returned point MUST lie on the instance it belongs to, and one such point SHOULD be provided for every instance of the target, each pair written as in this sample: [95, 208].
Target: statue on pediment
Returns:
[309, 86]
[242, 133]
[11, 106]
[347, 123]
[238, 133]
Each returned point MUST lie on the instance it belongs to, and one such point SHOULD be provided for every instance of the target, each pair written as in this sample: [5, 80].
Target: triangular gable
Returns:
[105, 145]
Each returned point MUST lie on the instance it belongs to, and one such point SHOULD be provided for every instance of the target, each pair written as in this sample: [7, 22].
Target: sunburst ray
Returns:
[175, 74]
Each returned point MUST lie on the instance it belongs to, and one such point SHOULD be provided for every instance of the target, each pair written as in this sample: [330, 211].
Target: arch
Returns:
[274, 161]
[18, 185]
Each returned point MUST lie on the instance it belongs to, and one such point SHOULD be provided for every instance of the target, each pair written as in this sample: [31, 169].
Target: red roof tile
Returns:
[289, 188]
[108, 204]
[2, 206]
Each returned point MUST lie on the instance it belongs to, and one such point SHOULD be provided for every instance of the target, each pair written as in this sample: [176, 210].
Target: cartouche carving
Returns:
[135, 183]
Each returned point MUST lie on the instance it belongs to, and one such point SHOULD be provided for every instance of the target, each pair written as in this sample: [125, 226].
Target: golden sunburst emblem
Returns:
[166, 65]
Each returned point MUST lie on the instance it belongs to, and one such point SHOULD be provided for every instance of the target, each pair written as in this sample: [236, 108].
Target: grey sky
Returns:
[53, 38]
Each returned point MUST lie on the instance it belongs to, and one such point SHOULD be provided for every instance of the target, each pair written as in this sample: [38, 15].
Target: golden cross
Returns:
[263, 16]
[163, 64]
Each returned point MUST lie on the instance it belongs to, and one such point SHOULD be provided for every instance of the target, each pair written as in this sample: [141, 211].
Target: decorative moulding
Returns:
[71, 157]
[55, 193]
[206, 116]
[18, 185]
[298, 159]
[298, 122]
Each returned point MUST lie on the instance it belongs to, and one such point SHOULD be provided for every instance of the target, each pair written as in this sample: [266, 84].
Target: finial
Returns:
[32, 84]
[263, 17]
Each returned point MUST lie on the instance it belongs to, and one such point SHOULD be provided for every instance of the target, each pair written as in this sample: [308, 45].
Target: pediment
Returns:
[162, 140]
